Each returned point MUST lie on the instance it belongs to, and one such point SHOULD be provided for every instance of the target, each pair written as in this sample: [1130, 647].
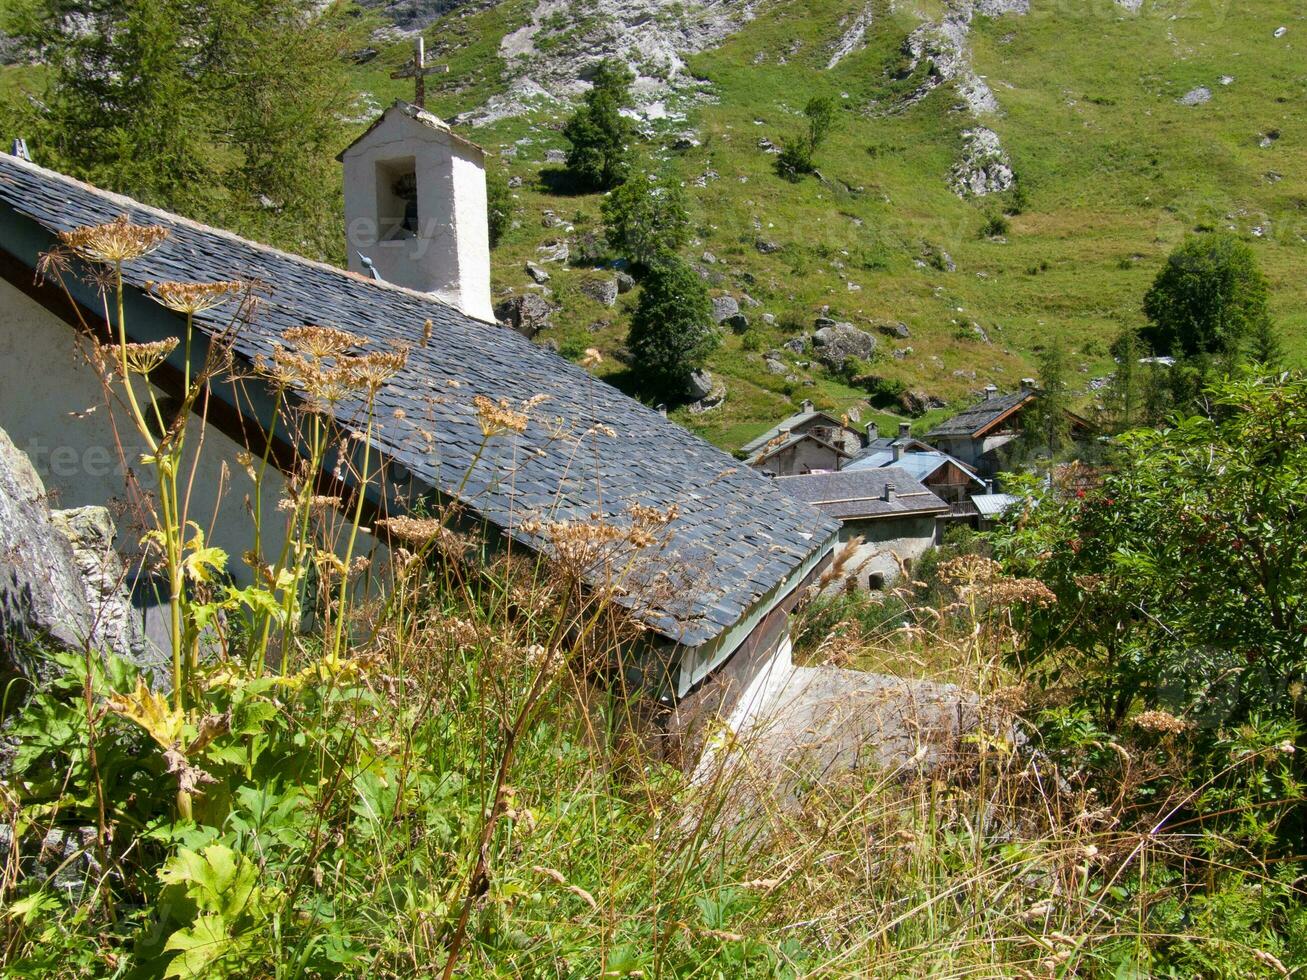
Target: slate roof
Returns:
[737, 536]
[849, 495]
[770, 450]
[919, 465]
[418, 114]
[793, 422]
[979, 416]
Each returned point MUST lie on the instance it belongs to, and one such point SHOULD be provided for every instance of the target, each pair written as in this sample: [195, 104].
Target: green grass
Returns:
[1116, 173]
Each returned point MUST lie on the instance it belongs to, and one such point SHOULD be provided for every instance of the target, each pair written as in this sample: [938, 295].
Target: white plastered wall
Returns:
[450, 254]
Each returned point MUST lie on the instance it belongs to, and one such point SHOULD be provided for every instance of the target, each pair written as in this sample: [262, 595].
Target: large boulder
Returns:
[603, 291]
[699, 385]
[836, 344]
[528, 314]
[724, 307]
[53, 594]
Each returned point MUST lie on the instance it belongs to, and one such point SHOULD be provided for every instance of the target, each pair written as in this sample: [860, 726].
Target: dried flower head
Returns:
[498, 417]
[371, 371]
[114, 241]
[144, 358]
[193, 297]
[322, 342]
[592, 358]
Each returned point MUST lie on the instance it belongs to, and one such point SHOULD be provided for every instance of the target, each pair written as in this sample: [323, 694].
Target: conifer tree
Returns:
[600, 135]
[672, 332]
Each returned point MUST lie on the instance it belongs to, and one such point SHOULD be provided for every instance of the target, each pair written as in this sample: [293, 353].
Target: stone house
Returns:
[893, 514]
[806, 442]
[737, 556]
[949, 479]
[980, 436]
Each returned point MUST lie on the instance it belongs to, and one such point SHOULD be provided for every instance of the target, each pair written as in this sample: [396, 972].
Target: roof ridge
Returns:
[171, 216]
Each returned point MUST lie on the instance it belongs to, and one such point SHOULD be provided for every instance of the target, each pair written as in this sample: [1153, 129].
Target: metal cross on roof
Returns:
[418, 70]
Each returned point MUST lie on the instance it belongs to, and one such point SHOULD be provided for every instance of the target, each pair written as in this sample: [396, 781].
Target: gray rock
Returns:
[900, 355]
[42, 596]
[749, 301]
[685, 141]
[63, 858]
[980, 333]
[899, 330]
[738, 323]
[775, 367]
[602, 291]
[548, 219]
[515, 182]
[769, 318]
[625, 282]
[766, 246]
[836, 344]
[798, 345]
[699, 386]
[984, 167]
[723, 308]
[555, 156]
[708, 258]
[1196, 96]
[555, 251]
[528, 314]
[824, 321]
[917, 403]
[539, 275]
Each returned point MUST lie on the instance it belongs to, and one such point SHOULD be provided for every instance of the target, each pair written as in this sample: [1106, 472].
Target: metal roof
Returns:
[738, 535]
[994, 504]
[919, 464]
[850, 495]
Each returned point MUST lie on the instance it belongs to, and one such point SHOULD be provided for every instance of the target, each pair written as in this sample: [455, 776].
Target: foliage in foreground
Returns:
[449, 776]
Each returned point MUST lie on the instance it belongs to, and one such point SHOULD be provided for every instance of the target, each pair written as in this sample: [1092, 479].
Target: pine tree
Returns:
[600, 135]
[1049, 427]
[672, 331]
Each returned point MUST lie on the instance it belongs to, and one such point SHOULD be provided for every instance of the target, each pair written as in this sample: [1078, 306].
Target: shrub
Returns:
[751, 340]
[599, 133]
[796, 157]
[994, 226]
[499, 205]
[644, 218]
[672, 332]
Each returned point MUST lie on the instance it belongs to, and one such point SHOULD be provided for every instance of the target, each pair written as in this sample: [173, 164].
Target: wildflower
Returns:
[193, 297]
[592, 358]
[322, 342]
[144, 358]
[114, 241]
[498, 417]
[426, 331]
[1162, 722]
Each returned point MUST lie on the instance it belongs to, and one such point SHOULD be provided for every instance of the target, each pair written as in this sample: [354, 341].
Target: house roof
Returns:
[782, 443]
[981, 416]
[793, 422]
[737, 537]
[854, 494]
[994, 504]
[428, 119]
[917, 464]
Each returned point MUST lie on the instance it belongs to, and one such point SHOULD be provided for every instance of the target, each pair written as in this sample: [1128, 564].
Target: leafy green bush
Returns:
[499, 205]
[796, 156]
[995, 226]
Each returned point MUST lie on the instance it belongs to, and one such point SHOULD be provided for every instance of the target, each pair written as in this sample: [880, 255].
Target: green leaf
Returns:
[199, 946]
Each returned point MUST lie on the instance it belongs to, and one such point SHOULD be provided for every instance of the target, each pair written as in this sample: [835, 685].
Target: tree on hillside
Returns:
[796, 158]
[1049, 427]
[1209, 298]
[672, 331]
[224, 109]
[499, 205]
[645, 218]
[600, 135]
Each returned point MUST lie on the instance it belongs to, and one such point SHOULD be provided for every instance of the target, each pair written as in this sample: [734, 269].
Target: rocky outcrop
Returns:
[61, 585]
[835, 344]
[528, 314]
[984, 167]
[852, 37]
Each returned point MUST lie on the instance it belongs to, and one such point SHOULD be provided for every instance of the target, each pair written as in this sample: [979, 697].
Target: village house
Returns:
[891, 515]
[738, 554]
[948, 478]
[808, 441]
[981, 436]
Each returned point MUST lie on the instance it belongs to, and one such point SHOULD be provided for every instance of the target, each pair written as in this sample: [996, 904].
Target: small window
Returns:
[397, 199]
[876, 581]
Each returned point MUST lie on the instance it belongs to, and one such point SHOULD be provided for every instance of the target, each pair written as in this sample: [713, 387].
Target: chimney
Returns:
[898, 451]
[991, 391]
[905, 430]
[662, 409]
[806, 405]
[415, 209]
[888, 495]
[1029, 384]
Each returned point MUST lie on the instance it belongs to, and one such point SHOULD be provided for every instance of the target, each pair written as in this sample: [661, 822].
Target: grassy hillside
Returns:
[1114, 169]
[1114, 173]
